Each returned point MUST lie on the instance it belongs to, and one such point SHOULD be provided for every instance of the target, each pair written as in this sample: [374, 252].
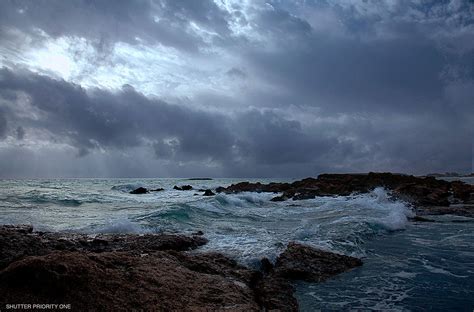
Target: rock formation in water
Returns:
[140, 190]
[427, 194]
[149, 272]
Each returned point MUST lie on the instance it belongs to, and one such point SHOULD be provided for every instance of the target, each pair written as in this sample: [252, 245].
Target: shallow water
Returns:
[407, 266]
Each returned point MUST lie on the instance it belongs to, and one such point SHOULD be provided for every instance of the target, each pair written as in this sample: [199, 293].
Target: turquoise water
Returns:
[407, 266]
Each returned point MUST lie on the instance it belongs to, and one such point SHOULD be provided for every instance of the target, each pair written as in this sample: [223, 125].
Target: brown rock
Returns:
[301, 262]
[122, 281]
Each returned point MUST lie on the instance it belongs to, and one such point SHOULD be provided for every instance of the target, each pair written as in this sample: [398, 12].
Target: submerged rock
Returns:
[140, 190]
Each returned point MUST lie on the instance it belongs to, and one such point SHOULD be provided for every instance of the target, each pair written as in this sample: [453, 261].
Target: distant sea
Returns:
[407, 266]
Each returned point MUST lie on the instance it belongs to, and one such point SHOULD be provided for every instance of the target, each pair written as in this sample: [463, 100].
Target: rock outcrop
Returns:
[151, 272]
[422, 192]
[183, 188]
[301, 262]
[208, 193]
[140, 190]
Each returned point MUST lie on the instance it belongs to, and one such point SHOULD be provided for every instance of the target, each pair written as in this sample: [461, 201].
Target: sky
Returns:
[226, 88]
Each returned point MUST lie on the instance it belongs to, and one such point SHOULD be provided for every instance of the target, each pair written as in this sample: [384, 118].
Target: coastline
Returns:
[122, 271]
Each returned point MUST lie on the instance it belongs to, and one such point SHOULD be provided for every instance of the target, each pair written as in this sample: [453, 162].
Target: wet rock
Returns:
[157, 189]
[301, 262]
[140, 190]
[150, 272]
[183, 188]
[266, 265]
[275, 293]
[15, 243]
[420, 191]
[123, 281]
[208, 193]
[279, 198]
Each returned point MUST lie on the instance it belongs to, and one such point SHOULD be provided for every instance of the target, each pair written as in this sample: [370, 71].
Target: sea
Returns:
[408, 266]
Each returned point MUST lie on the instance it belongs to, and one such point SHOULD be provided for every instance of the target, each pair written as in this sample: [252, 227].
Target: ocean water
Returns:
[407, 266]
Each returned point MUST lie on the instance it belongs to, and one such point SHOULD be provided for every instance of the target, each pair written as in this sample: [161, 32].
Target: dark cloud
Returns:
[103, 119]
[314, 86]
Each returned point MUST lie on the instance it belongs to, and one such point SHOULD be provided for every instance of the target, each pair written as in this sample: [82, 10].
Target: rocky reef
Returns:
[427, 194]
[150, 272]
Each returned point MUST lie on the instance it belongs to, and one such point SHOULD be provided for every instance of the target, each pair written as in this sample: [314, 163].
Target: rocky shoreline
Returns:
[167, 272]
[150, 272]
[427, 195]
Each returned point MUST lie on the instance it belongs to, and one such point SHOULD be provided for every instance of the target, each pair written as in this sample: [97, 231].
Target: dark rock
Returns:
[208, 193]
[266, 265]
[420, 191]
[274, 293]
[301, 262]
[157, 189]
[140, 190]
[15, 243]
[123, 281]
[279, 198]
[183, 187]
[131, 272]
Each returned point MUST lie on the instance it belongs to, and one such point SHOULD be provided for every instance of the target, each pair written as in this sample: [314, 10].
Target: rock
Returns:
[208, 193]
[15, 243]
[266, 266]
[123, 281]
[301, 262]
[157, 189]
[420, 191]
[183, 188]
[276, 294]
[279, 198]
[132, 272]
[140, 190]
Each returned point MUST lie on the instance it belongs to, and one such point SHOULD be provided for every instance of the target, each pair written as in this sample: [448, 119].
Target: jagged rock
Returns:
[140, 190]
[208, 193]
[301, 262]
[15, 243]
[131, 272]
[420, 191]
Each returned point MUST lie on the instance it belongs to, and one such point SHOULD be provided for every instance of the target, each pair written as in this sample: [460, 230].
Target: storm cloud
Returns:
[224, 88]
